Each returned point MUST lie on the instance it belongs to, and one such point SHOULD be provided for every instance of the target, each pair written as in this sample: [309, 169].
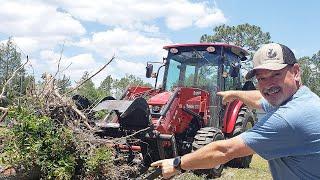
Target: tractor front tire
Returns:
[244, 122]
[203, 137]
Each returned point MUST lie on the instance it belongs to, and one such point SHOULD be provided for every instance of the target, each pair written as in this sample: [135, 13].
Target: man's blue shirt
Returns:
[288, 136]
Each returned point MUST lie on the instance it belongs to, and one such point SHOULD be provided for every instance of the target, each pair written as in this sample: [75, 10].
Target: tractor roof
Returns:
[235, 49]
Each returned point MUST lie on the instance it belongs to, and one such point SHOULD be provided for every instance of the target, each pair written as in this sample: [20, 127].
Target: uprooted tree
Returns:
[46, 136]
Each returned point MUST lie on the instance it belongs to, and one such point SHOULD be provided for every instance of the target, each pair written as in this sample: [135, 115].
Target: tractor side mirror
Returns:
[234, 69]
[149, 70]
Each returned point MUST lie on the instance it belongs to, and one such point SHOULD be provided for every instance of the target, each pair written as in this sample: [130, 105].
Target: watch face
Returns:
[176, 162]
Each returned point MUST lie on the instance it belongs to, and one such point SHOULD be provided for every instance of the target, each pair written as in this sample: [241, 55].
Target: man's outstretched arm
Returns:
[211, 155]
[250, 98]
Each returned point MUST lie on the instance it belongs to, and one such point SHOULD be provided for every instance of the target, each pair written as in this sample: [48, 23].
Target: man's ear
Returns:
[297, 72]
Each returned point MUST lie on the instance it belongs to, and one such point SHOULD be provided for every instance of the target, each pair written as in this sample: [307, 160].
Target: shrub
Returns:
[98, 162]
[38, 144]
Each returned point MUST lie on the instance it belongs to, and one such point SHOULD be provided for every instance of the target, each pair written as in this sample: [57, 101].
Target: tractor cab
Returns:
[206, 66]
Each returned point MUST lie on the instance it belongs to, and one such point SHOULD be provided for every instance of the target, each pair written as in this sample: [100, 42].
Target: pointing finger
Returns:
[220, 93]
[157, 163]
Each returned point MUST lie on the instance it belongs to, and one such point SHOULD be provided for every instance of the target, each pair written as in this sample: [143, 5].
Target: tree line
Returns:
[11, 59]
[108, 87]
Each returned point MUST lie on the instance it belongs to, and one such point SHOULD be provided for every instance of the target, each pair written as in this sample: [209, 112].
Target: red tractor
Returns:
[185, 113]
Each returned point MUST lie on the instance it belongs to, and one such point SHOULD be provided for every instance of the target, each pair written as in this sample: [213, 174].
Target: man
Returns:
[289, 134]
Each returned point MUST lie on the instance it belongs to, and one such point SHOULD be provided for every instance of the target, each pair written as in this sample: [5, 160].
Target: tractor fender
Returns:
[231, 115]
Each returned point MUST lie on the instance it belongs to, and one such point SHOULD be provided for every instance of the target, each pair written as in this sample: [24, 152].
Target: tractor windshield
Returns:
[197, 68]
[210, 68]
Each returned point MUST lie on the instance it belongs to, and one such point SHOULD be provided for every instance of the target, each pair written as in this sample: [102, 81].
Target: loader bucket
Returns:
[131, 114]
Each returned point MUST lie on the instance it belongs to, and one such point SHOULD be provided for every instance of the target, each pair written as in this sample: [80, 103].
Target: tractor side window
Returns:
[173, 74]
[203, 77]
[228, 81]
[231, 63]
[207, 78]
[190, 77]
[180, 74]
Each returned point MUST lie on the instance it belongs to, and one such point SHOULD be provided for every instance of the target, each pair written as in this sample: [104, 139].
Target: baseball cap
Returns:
[271, 56]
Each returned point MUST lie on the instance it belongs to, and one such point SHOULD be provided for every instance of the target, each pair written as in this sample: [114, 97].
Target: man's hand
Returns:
[250, 98]
[167, 167]
[227, 96]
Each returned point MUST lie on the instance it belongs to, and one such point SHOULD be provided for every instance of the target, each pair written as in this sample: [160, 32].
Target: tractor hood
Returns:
[160, 99]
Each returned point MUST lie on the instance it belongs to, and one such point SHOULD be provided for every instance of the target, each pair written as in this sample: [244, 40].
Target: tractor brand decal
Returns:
[196, 93]
[191, 106]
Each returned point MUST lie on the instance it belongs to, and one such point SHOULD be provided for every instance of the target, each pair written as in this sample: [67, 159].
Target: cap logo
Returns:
[271, 54]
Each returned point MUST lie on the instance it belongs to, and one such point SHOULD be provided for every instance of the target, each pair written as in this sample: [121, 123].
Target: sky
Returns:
[87, 33]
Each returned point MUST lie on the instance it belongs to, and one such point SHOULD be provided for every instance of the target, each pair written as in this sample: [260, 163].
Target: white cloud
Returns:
[178, 22]
[178, 14]
[32, 18]
[36, 25]
[124, 42]
[75, 66]
[128, 67]
[51, 56]
[146, 28]
[119, 68]
[132, 31]
[26, 44]
[82, 62]
[212, 19]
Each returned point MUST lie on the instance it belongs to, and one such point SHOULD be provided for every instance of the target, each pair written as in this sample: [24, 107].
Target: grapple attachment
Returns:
[131, 114]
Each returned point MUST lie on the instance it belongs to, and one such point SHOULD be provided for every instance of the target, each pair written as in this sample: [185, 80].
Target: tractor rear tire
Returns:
[203, 137]
[244, 122]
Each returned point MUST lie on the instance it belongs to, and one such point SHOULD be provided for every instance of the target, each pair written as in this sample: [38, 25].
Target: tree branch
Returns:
[83, 117]
[13, 75]
[90, 76]
[59, 61]
[5, 112]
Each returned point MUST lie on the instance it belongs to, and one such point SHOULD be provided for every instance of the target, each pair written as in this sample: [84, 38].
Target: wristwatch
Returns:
[177, 163]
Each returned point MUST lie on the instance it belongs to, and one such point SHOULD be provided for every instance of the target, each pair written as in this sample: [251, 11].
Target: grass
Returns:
[259, 169]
